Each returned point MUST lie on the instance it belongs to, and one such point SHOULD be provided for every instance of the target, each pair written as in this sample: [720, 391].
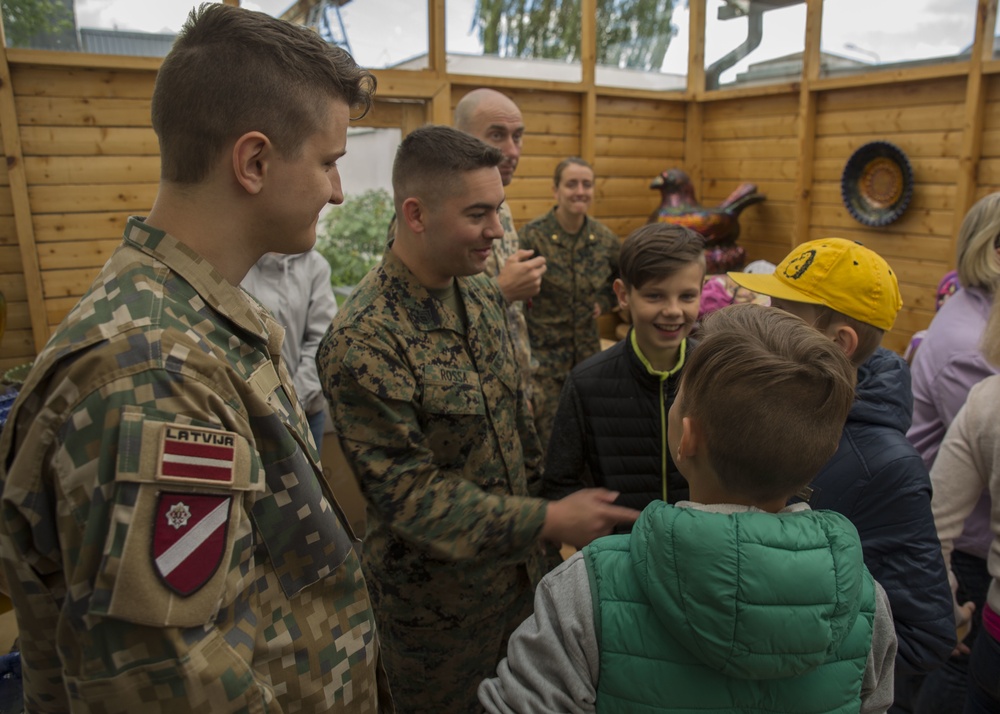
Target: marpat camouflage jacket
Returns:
[580, 272]
[502, 250]
[433, 421]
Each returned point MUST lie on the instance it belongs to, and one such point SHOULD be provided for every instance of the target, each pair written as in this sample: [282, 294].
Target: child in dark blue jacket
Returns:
[876, 478]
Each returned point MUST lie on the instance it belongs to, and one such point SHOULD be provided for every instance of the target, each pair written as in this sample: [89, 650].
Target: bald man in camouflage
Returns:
[494, 118]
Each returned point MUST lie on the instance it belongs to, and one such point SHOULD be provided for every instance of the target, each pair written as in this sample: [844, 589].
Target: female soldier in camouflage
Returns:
[582, 258]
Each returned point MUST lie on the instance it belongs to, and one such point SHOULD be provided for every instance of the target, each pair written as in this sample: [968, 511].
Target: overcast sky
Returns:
[383, 32]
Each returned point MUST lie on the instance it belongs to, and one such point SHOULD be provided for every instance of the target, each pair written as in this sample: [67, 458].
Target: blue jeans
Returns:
[317, 421]
[943, 690]
[984, 677]
[11, 684]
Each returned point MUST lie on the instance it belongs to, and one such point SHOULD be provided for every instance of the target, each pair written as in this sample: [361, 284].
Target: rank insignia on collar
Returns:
[189, 539]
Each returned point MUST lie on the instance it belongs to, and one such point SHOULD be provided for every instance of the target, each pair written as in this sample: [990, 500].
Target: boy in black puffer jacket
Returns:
[610, 428]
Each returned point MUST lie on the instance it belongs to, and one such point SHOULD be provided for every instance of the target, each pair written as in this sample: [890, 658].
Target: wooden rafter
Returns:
[806, 122]
[975, 105]
[11, 131]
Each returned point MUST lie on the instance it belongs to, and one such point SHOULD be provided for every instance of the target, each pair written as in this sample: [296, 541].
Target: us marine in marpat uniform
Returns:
[426, 399]
[166, 535]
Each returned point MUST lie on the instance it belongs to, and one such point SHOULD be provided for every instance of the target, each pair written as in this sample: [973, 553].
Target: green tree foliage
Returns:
[26, 19]
[631, 34]
[352, 236]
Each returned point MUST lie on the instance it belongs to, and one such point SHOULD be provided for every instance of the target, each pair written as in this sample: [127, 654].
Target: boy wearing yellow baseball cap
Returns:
[876, 478]
[838, 286]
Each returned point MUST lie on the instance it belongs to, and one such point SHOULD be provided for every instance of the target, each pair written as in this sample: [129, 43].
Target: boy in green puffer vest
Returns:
[730, 602]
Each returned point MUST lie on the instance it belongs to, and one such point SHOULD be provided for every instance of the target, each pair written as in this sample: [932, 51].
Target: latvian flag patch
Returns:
[197, 454]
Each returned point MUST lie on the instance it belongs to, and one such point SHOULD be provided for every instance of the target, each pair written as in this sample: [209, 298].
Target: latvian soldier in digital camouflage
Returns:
[167, 538]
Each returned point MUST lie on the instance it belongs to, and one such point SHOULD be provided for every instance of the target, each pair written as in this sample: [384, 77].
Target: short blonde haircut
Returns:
[978, 239]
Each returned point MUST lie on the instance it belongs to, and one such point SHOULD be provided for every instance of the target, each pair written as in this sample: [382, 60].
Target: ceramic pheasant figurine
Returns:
[718, 224]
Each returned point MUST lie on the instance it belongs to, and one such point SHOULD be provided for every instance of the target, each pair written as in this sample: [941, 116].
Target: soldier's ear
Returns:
[251, 156]
[415, 214]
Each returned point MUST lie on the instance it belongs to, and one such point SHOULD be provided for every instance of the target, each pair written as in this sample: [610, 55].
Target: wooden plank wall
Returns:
[925, 120]
[394, 114]
[753, 139]
[636, 140]
[91, 159]
[989, 164]
[17, 346]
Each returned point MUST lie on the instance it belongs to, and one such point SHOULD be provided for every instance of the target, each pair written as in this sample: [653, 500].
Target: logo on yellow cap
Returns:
[796, 268]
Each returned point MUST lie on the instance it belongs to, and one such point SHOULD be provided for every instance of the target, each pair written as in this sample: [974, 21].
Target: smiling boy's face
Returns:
[663, 313]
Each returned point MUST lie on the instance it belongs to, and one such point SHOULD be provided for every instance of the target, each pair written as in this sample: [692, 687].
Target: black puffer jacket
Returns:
[611, 430]
[878, 480]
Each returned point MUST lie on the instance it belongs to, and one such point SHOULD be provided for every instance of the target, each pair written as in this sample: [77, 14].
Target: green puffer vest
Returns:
[705, 613]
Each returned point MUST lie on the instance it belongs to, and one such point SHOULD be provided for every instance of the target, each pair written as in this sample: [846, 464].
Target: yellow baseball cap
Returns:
[841, 274]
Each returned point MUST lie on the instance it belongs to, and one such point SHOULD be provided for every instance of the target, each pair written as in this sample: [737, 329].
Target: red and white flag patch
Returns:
[189, 539]
[196, 454]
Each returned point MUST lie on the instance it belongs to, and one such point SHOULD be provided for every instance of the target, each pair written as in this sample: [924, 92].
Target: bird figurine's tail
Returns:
[744, 189]
[744, 196]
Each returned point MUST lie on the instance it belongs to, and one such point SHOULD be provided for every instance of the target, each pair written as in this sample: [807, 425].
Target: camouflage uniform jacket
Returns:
[581, 271]
[168, 541]
[431, 417]
[502, 250]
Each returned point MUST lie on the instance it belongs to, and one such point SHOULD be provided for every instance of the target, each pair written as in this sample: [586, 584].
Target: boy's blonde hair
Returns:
[771, 394]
